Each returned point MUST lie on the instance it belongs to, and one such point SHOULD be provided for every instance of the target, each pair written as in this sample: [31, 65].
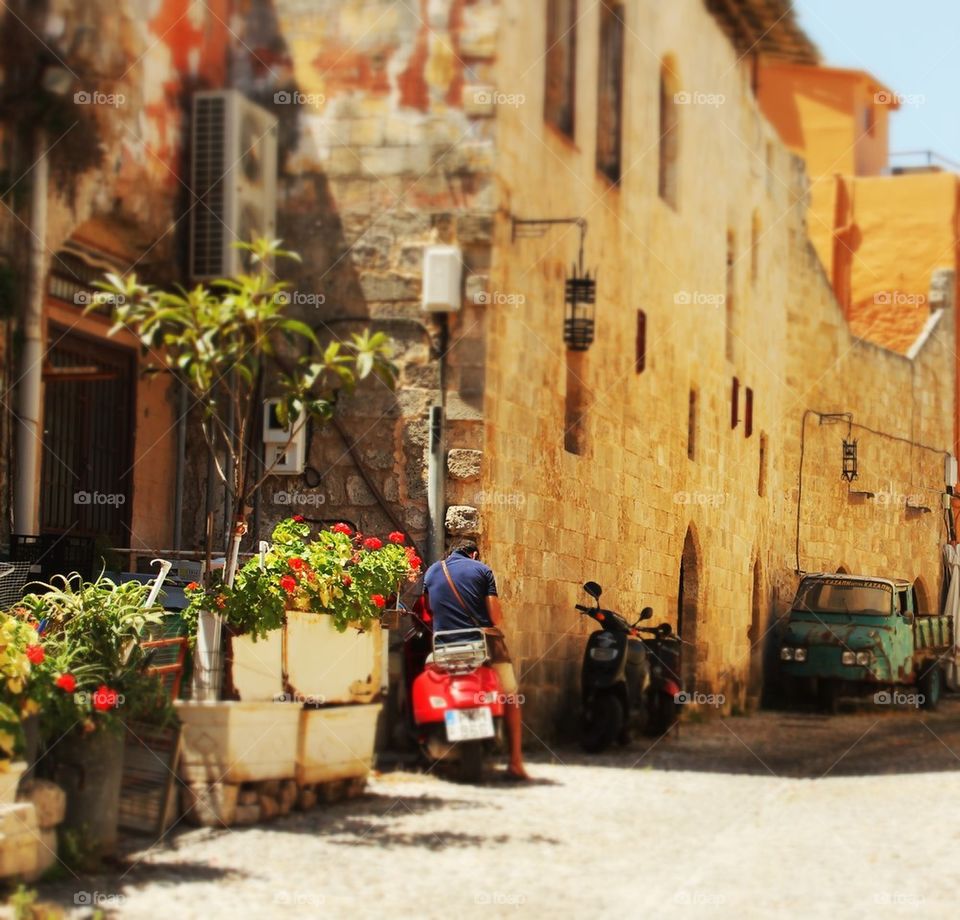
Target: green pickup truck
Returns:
[857, 633]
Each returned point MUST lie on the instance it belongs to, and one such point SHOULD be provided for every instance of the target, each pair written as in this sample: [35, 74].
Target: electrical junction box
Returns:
[442, 275]
[283, 455]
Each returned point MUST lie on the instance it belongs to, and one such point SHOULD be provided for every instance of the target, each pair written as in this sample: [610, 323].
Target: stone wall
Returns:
[633, 505]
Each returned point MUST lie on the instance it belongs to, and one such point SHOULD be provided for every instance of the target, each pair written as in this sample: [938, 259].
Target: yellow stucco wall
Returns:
[621, 510]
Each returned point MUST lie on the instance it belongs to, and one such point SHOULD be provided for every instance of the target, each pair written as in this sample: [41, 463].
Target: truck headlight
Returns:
[848, 658]
[799, 654]
[786, 653]
[863, 658]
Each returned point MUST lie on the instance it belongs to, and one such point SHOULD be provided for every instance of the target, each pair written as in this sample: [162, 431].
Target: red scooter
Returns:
[457, 703]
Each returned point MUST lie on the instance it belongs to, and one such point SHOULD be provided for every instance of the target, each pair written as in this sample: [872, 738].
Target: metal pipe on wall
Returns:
[29, 385]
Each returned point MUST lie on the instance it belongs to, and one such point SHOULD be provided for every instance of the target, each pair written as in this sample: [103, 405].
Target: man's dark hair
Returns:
[466, 547]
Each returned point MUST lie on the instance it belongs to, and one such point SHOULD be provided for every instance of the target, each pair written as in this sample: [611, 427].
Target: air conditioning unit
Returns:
[283, 455]
[233, 179]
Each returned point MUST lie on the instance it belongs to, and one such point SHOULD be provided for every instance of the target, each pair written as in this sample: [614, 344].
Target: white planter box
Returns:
[234, 742]
[9, 780]
[323, 665]
[336, 743]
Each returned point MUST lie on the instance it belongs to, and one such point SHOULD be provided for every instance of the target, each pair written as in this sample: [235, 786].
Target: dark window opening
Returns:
[692, 426]
[762, 474]
[735, 403]
[667, 183]
[561, 65]
[748, 412]
[576, 404]
[610, 92]
[641, 356]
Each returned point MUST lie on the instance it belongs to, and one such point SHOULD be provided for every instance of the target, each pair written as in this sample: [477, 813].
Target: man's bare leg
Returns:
[515, 738]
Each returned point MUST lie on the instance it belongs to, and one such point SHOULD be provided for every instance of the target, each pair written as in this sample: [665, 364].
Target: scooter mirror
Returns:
[593, 589]
[646, 613]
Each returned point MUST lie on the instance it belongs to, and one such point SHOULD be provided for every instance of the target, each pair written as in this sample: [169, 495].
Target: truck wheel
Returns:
[931, 685]
[827, 693]
[602, 723]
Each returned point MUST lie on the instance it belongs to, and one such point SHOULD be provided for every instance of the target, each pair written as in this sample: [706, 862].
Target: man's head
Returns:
[466, 548]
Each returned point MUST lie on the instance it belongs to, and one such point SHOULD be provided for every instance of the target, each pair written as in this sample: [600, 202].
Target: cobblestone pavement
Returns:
[780, 814]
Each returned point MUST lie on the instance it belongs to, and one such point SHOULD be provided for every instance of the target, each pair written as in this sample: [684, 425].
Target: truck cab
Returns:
[857, 633]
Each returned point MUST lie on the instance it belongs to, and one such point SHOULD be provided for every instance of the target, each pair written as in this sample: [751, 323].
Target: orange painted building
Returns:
[887, 238]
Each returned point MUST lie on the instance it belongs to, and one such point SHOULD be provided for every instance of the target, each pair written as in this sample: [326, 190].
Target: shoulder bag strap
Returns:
[453, 587]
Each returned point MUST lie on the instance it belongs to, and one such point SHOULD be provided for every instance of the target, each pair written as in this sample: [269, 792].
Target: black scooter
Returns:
[627, 682]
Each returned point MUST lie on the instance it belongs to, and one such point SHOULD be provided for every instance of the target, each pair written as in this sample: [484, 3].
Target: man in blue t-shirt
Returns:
[475, 583]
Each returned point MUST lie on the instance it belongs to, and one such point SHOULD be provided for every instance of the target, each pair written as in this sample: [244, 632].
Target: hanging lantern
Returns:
[849, 460]
[578, 320]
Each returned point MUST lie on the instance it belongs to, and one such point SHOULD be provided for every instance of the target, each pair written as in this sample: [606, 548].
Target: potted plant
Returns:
[230, 345]
[88, 677]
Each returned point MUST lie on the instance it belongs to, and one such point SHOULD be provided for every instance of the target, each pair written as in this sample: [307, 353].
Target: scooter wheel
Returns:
[602, 723]
[470, 769]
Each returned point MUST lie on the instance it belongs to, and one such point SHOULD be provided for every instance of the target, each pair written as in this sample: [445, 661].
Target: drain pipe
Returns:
[26, 518]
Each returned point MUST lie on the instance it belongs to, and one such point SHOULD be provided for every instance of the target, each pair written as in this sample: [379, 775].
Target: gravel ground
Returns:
[780, 814]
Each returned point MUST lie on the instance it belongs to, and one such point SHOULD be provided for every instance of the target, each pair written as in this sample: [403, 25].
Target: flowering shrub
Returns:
[338, 572]
[19, 654]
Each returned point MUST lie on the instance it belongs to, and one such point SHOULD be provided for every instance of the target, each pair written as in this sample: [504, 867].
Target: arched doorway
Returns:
[922, 597]
[688, 597]
[842, 570]
[755, 636]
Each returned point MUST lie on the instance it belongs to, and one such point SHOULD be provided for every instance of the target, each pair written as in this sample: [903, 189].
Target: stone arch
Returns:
[842, 570]
[688, 606]
[923, 596]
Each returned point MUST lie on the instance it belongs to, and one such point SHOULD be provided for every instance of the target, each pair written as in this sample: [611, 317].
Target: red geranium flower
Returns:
[288, 583]
[378, 599]
[296, 563]
[396, 537]
[192, 586]
[66, 682]
[415, 562]
[104, 698]
[347, 581]
[372, 543]
[342, 528]
[297, 519]
[35, 654]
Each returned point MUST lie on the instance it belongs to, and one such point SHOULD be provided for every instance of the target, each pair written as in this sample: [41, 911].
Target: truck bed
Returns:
[932, 632]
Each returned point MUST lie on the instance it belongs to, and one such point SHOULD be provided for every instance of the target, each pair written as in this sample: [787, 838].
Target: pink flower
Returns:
[342, 528]
[378, 599]
[396, 537]
[104, 698]
[297, 519]
[66, 682]
[372, 543]
[296, 563]
[288, 583]
[35, 654]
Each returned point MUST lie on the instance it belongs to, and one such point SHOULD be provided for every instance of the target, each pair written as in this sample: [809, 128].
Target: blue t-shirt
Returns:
[474, 581]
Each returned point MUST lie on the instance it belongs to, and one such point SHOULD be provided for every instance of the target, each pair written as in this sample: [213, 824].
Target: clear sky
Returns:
[912, 47]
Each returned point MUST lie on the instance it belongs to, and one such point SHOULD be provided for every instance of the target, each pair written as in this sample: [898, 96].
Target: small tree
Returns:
[232, 343]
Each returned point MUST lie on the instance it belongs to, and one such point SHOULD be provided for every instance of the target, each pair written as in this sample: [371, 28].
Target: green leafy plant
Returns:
[19, 651]
[233, 343]
[88, 666]
[335, 572]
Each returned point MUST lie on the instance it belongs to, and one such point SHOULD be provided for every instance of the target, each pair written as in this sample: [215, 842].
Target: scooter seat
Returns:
[428, 659]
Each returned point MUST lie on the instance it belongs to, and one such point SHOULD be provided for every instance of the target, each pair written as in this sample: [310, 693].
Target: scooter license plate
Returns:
[469, 724]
